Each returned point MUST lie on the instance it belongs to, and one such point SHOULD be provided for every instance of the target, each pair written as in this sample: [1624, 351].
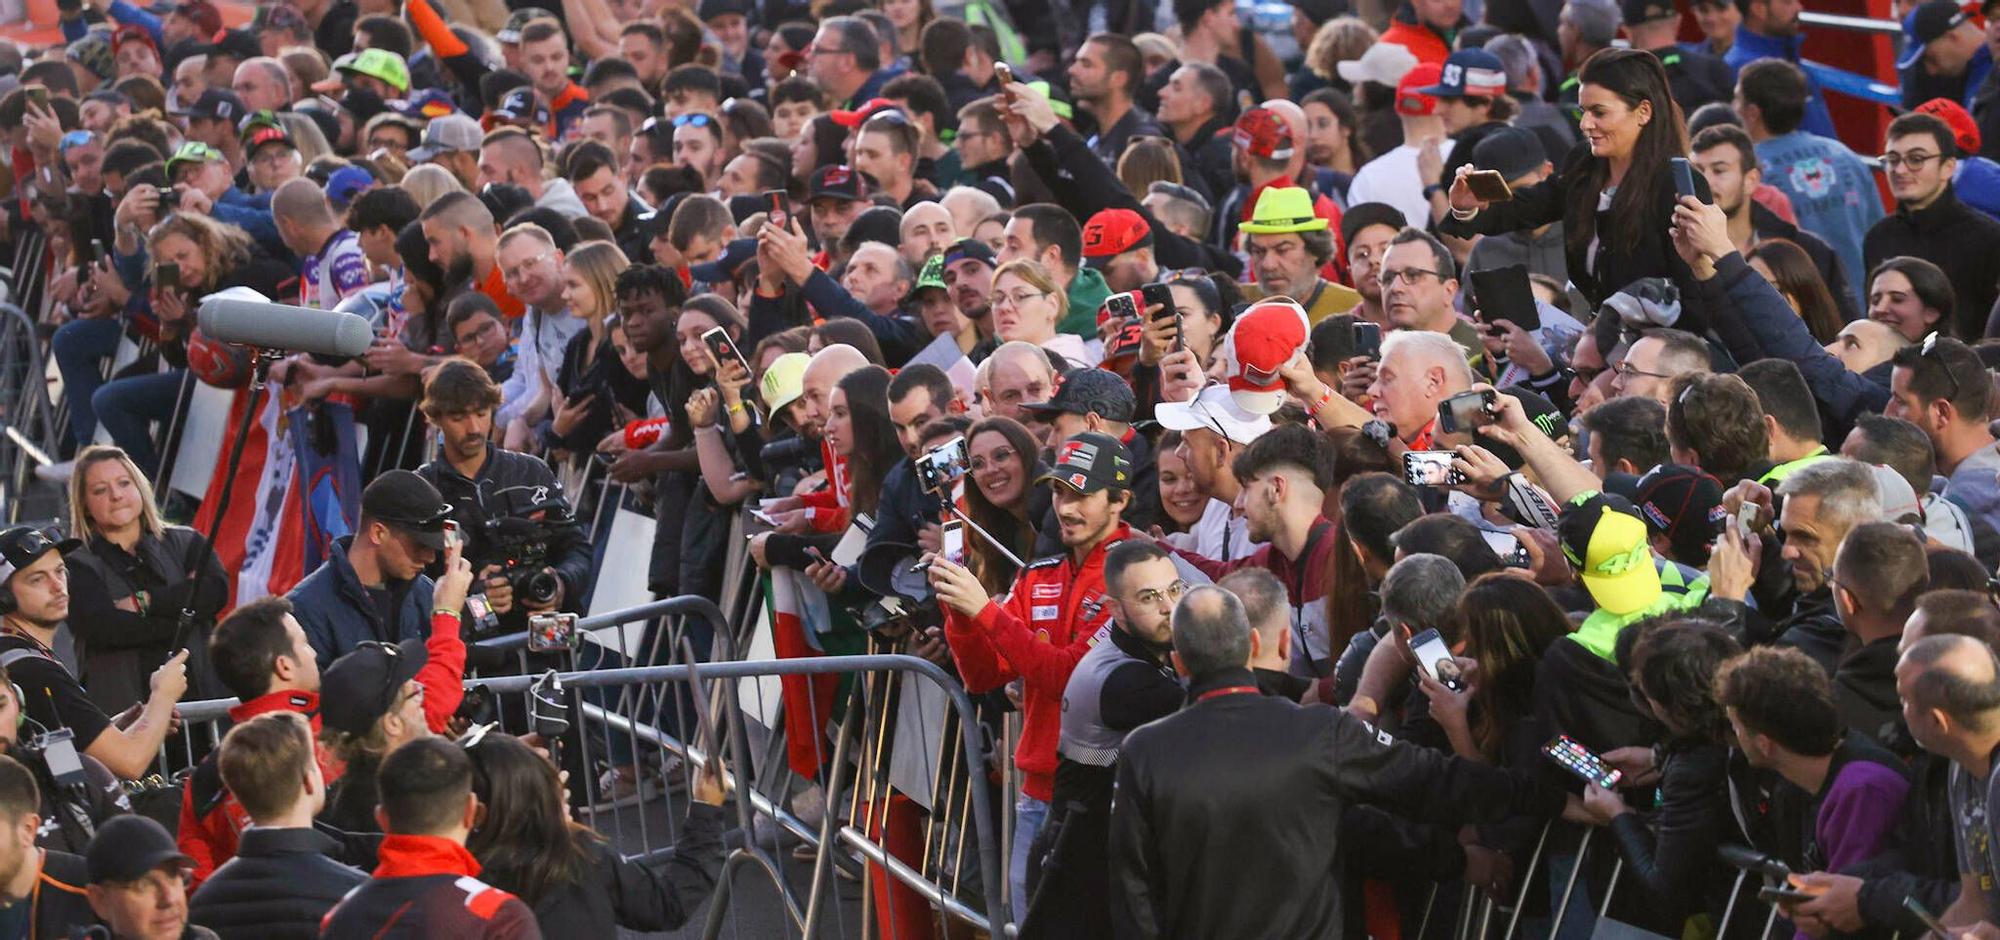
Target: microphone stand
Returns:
[184, 630]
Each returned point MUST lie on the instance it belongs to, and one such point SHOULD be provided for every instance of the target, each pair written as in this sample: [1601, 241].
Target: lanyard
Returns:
[1227, 690]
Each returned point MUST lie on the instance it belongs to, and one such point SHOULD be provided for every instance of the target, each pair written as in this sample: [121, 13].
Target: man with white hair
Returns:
[968, 205]
[264, 84]
[1418, 369]
[1017, 374]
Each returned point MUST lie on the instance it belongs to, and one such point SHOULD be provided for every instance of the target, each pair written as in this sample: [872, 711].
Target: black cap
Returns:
[838, 181]
[971, 248]
[127, 848]
[1083, 391]
[653, 223]
[724, 267]
[218, 104]
[876, 224]
[1682, 503]
[21, 546]
[408, 502]
[359, 688]
[1646, 11]
[1362, 215]
[1090, 462]
[519, 105]
[1511, 151]
[234, 43]
[1540, 411]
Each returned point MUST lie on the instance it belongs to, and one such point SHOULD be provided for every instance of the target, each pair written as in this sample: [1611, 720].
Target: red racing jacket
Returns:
[426, 886]
[1037, 633]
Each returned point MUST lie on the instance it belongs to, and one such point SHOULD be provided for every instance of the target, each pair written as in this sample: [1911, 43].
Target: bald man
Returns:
[968, 206]
[928, 229]
[459, 229]
[1950, 687]
[333, 266]
[1017, 374]
[263, 84]
[798, 516]
[510, 156]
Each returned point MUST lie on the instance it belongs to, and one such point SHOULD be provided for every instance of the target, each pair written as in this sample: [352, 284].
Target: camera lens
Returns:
[541, 587]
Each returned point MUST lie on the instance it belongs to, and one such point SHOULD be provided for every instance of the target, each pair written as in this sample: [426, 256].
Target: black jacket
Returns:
[1672, 852]
[279, 885]
[645, 896]
[120, 648]
[1208, 155]
[1925, 863]
[510, 485]
[1618, 264]
[1196, 850]
[1864, 692]
[1963, 241]
[59, 904]
[1096, 188]
[1583, 695]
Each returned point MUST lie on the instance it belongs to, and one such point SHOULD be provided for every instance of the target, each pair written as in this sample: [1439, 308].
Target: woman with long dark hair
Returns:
[1789, 269]
[858, 428]
[1615, 193]
[577, 884]
[1002, 461]
[1505, 622]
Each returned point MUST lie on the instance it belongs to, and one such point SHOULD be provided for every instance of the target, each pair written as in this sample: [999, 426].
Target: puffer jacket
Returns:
[279, 885]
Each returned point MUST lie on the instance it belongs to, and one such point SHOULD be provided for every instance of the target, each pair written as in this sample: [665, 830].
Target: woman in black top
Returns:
[1615, 193]
[591, 377]
[130, 582]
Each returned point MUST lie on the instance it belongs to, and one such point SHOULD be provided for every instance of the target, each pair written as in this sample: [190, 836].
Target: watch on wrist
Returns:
[1433, 190]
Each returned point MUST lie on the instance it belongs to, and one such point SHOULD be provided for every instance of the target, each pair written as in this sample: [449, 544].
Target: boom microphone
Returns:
[282, 326]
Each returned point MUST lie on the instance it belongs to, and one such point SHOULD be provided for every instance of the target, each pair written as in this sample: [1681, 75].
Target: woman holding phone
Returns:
[725, 424]
[1003, 460]
[1615, 193]
[590, 377]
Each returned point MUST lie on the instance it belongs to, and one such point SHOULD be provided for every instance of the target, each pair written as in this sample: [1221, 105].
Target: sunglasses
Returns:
[1930, 350]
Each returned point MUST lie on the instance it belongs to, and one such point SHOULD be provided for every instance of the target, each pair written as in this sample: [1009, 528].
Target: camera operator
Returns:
[100, 796]
[519, 531]
[31, 613]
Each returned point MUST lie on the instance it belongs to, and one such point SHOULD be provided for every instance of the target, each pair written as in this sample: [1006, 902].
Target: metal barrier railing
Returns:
[1859, 24]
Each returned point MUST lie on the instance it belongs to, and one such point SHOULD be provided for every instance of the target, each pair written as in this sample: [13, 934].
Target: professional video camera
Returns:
[52, 756]
[904, 600]
[519, 544]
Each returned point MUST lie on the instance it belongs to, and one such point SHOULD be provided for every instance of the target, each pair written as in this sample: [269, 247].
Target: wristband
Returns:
[1464, 215]
[444, 611]
[736, 408]
[1325, 399]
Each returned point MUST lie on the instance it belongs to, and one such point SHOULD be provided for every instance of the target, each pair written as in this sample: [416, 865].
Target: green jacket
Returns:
[1599, 631]
[1086, 294]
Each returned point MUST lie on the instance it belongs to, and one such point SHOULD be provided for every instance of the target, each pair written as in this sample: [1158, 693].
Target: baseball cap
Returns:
[784, 381]
[345, 184]
[1512, 152]
[930, 278]
[1261, 132]
[1411, 100]
[379, 63]
[1266, 335]
[518, 105]
[258, 133]
[971, 248]
[1282, 209]
[218, 104]
[1899, 500]
[131, 33]
[511, 31]
[1964, 130]
[358, 689]
[233, 43]
[1470, 73]
[93, 52]
[1645, 303]
[1215, 409]
[193, 151]
[837, 181]
[1928, 22]
[1646, 11]
[1364, 214]
[1082, 391]
[427, 103]
[206, 16]
[860, 115]
[280, 16]
[1682, 503]
[1113, 232]
[408, 502]
[1090, 462]
[21, 546]
[126, 848]
[449, 134]
[1540, 412]
[725, 265]
[1605, 540]
[1385, 63]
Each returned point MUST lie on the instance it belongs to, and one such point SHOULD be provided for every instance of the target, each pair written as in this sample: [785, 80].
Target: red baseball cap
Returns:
[860, 115]
[1260, 132]
[1113, 232]
[1410, 99]
[1265, 336]
[130, 33]
[1964, 130]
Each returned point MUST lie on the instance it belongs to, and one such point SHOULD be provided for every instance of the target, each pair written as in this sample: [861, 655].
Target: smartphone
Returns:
[1772, 894]
[1368, 339]
[941, 466]
[1465, 411]
[1160, 295]
[779, 213]
[548, 633]
[1922, 913]
[167, 276]
[1430, 468]
[480, 614]
[1578, 760]
[1003, 72]
[1505, 294]
[1749, 519]
[59, 753]
[1683, 176]
[1121, 306]
[1512, 551]
[952, 541]
[815, 555]
[1489, 186]
[39, 94]
[452, 537]
[722, 348]
[97, 250]
[1434, 658]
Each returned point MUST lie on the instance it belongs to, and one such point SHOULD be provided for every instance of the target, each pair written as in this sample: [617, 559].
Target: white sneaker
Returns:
[57, 473]
[621, 787]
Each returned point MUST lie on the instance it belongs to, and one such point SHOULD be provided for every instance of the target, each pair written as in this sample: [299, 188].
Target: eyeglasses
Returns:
[1001, 455]
[817, 50]
[479, 333]
[1016, 300]
[1915, 159]
[1409, 276]
[1627, 370]
[1930, 351]
[520, 271]
[1171, 595]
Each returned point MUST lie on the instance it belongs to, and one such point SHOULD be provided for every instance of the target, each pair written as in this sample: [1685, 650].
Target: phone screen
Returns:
[1429, 468]
[780, 213]
[1508, 546]
[952, 541]
[1464, 411]
[1577, 759]
[1434, 658]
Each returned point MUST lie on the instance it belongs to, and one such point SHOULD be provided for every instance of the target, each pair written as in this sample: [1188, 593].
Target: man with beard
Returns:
[1036, 639]
[43, 888]
[481, 483]
[1367, 228]
[508, 155]
[1119, 243]
[839, 196]
[1770, 30]
[698, 146]
[1195, 105]
[1288, 245]
[931, 301]
[968, 275]
[983, 146]
[531, 266]
[545, 59]
[1726, 156]
[1107, 72]
[1925, 389]
[927, 230]
[37, 654]
[870, 290]
[459, 229]
[592, 168]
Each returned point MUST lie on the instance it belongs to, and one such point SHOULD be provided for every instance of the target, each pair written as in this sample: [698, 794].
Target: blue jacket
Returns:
[1765, 327]
[337, 614]
[1751, 46]
[1978, 184]
[1832, 192]
[249, 213]
[122, 13]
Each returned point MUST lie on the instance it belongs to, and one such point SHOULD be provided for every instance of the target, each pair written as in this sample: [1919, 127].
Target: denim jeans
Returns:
[1029, 815]
[80, 348]
[127, 407]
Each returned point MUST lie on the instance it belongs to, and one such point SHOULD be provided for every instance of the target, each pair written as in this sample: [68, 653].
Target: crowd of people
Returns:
[1369, 453]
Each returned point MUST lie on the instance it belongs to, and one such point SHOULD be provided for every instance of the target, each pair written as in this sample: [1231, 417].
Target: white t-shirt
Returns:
[1392, 178]
[1217, 534]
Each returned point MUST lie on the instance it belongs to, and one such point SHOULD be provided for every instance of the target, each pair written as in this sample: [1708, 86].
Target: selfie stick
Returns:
[988, 536]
